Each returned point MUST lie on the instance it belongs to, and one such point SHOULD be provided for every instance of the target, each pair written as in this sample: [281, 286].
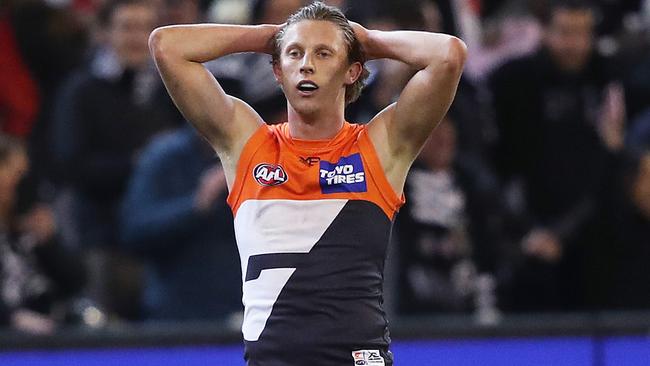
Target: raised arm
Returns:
[179, 51]
[400, 130]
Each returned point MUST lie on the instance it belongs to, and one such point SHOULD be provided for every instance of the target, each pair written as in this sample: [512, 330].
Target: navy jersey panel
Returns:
[332, 303]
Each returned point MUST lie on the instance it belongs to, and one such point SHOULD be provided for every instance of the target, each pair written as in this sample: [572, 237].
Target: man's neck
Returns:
[319, 126]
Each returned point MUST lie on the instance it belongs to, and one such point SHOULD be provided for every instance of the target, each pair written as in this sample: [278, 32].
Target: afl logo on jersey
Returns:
[270, 175]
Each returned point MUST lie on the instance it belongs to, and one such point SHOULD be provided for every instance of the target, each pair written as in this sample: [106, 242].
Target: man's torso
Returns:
[312, 220]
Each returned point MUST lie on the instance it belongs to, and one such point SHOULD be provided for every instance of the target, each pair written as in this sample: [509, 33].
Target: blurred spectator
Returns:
[105, 113]
[610, 14]
[37, 275]
[19, 97]
[558, 120]
[50, 41]
[448, 230]
[175, 217]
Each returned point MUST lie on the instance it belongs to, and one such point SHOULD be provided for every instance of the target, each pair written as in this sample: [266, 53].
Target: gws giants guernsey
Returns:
[312, 221]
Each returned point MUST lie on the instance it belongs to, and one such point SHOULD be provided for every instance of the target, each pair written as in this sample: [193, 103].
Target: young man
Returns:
[313, 198]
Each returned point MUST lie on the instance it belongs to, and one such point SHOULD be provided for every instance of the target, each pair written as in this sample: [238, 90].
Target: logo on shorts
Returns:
[366, 357]
[269, 174]
[346, 175]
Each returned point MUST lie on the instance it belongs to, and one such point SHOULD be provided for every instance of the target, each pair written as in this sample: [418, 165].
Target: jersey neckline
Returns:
[341, 137]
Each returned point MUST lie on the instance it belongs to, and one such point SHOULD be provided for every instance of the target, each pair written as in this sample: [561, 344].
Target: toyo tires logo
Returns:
[269, 174]
[345, 175]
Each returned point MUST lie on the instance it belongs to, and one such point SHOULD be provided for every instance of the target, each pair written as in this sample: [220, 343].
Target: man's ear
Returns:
[354, 72]
[277, 71]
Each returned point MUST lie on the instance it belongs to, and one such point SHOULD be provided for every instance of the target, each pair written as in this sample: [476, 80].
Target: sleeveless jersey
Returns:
[312, 221]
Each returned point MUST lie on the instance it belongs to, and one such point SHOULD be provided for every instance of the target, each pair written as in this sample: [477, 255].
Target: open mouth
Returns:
[307, 86]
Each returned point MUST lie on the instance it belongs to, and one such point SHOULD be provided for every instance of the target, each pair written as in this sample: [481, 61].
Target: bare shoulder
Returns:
[378, 131]
[243, 124]
[395, 166]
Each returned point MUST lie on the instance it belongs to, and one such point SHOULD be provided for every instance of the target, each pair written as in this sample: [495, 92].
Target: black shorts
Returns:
[361, 357]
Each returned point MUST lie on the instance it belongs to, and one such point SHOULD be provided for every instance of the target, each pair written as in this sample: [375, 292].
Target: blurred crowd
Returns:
[533, 194]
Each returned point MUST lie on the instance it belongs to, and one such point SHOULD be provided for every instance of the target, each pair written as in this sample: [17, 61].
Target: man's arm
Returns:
[400, 130]
[179, 51]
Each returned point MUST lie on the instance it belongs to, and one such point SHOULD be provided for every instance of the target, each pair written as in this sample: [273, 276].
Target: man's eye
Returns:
[294, 53]
[324, 54]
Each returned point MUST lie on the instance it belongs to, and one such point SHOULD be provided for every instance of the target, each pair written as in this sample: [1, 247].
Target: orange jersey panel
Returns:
[273, 165]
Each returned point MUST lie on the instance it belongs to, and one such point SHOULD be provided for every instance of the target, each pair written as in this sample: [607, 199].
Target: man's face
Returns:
[128, 32]
[569, 38]
[313, 68]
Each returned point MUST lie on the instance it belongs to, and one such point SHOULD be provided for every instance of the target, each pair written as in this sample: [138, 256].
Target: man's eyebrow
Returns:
[322, 46]
[294, 45]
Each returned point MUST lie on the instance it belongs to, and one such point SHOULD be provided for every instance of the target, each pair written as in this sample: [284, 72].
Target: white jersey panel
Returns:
[274, 227]
[257, 309]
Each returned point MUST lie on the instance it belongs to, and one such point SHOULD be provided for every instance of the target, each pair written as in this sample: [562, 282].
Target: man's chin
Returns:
[306, 107]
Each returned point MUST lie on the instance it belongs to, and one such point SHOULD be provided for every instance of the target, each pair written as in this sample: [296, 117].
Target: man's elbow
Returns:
[458, 51]
[455, 55]
[159, 43]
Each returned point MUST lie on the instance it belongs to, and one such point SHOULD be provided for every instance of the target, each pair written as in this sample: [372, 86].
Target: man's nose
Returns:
[307, 65]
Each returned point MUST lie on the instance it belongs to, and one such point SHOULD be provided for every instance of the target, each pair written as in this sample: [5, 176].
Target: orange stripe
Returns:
[369, 154]
[251, 146]
[273, 145]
